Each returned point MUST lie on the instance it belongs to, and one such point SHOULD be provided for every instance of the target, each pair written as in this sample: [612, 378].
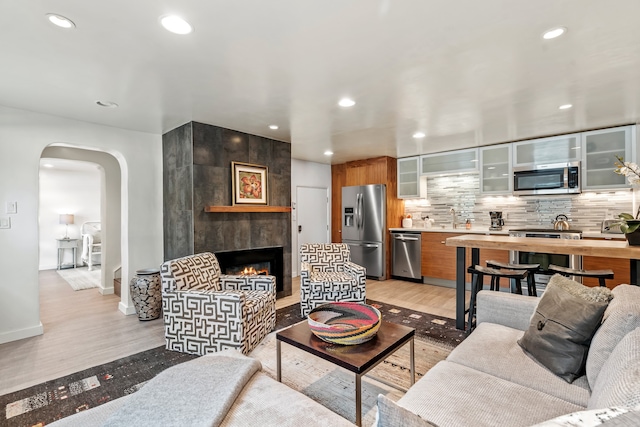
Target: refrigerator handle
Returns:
[360, 210]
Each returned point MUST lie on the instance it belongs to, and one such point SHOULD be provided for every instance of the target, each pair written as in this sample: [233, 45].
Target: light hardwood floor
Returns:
[84, 328]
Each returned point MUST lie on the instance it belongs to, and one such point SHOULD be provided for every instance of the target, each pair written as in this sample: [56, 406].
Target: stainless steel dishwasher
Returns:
[407, 255]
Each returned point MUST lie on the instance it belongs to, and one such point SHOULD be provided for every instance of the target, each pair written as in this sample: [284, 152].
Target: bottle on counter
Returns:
[467, 225]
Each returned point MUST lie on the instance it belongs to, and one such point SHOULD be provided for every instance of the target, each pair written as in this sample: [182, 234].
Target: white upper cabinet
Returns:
[557, 149]
[450, 162]
[600, 148]
[410, 184]
[495, 169]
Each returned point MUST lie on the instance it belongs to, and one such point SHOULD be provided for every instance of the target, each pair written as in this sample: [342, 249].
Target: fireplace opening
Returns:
[267, 261]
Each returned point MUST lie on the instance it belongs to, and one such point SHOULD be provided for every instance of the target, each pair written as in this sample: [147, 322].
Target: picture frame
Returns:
[249, 184]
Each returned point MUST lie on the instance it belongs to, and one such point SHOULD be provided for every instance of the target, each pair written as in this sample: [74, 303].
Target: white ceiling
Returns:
[465, 72]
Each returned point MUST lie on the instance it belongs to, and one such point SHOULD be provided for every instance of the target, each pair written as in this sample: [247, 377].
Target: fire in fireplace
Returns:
[266, 261]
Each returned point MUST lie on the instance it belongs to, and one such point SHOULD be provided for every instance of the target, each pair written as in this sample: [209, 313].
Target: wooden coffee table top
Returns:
[357, 358]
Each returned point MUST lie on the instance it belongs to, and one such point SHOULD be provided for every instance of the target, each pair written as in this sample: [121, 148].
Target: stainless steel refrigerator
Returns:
[363, 226]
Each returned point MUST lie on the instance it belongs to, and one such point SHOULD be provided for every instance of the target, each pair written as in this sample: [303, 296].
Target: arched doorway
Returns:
[110, 205]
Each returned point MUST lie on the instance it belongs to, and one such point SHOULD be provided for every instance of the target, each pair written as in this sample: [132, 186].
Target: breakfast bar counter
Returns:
[597, 248]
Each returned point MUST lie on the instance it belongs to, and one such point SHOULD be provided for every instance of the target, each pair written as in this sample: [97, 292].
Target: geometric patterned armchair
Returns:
[205, 311]
[328, 275]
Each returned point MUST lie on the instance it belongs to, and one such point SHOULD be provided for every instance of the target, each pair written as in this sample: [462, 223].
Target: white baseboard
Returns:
[107, 290]
[22, 334]
[128, 310]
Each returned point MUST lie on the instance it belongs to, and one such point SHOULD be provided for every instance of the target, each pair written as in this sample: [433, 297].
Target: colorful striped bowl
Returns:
[346, 323]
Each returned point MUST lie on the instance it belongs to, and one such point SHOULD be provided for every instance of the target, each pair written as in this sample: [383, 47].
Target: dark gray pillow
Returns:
[561, 330]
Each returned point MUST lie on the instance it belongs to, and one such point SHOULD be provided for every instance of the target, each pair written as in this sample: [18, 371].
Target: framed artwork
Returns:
[249, 183]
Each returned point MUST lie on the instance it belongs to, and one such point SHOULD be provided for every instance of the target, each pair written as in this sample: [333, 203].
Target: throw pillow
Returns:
[595, 294]
[561, 328]
[392, 415]
[589, 418]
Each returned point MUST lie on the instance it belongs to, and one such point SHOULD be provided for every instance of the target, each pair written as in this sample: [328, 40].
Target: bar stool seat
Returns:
[477, 283]
[531, 281]
[601, 275]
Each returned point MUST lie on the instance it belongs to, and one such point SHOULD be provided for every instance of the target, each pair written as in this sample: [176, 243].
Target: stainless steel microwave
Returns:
[557, 178]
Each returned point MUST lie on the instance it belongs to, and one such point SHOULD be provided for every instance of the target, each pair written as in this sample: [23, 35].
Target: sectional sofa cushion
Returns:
[392, 415]
[561, 329]
[621, 317]
[589, 418]
[453, 395]
[493, 349]
[619, 380]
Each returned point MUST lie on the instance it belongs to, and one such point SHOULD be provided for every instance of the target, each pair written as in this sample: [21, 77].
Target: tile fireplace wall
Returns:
[197, 173]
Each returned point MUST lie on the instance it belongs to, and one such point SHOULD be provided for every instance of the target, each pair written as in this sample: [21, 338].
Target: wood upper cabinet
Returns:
[619, 266]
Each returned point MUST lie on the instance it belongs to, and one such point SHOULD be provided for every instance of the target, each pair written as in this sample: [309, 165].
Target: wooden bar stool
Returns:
[531, 280]
[477, 283]
[601, 275]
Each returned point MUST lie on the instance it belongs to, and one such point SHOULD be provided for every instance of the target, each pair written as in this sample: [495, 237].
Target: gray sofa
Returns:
[488, 380]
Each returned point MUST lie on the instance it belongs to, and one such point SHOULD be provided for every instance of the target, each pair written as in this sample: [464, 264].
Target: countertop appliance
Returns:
[556, 178]
[496, 220]
[363, 226]
[544, 259]
[561, 222]
[407, 255]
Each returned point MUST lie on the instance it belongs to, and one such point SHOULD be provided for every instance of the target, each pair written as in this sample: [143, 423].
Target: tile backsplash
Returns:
[461, 192]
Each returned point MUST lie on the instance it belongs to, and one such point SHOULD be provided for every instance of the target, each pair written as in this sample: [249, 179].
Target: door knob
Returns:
[299, 229]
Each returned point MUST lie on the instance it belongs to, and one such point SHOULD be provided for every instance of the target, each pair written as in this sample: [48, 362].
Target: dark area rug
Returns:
[44, 403]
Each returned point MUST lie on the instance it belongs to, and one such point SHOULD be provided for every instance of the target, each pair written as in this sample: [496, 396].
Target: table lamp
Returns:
[66, 219]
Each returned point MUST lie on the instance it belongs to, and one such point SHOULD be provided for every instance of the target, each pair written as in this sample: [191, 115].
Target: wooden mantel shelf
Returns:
[245, 208]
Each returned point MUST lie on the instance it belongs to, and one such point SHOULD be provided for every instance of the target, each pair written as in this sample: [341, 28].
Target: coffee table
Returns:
[358, 359]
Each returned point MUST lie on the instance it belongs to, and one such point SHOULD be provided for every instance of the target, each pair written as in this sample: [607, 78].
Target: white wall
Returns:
[305, 174]
[63, 191]
[23, 136]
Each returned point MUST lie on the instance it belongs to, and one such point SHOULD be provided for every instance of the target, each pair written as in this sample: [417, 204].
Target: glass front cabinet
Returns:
[600, 148]
[450, 162]
[410, 184]
[557, 149]
[495, 170]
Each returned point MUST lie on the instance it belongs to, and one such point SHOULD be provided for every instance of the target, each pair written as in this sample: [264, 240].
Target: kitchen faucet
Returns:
[454, 223]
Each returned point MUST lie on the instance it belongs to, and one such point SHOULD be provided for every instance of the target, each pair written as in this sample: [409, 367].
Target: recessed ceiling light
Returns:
[60, 20]
[175, 24]
[346, 102]
[107, 104]
[47, 165]
[273, 127]
[565, 107]
[553, 33]
[419, 135]
[328, 153]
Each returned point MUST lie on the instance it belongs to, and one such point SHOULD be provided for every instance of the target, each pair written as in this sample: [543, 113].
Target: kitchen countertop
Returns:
[592, 234]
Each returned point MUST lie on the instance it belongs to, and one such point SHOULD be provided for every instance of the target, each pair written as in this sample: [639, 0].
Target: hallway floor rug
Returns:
[81, 278]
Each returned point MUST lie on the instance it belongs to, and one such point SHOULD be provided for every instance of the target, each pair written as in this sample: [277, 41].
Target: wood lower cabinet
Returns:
[619, 266]
[439, 260]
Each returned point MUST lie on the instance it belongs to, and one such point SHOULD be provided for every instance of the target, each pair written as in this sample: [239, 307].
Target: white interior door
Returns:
[312, 215]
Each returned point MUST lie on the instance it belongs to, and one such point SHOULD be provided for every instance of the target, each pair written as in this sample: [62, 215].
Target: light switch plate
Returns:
[5, 222]
[12, 207]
